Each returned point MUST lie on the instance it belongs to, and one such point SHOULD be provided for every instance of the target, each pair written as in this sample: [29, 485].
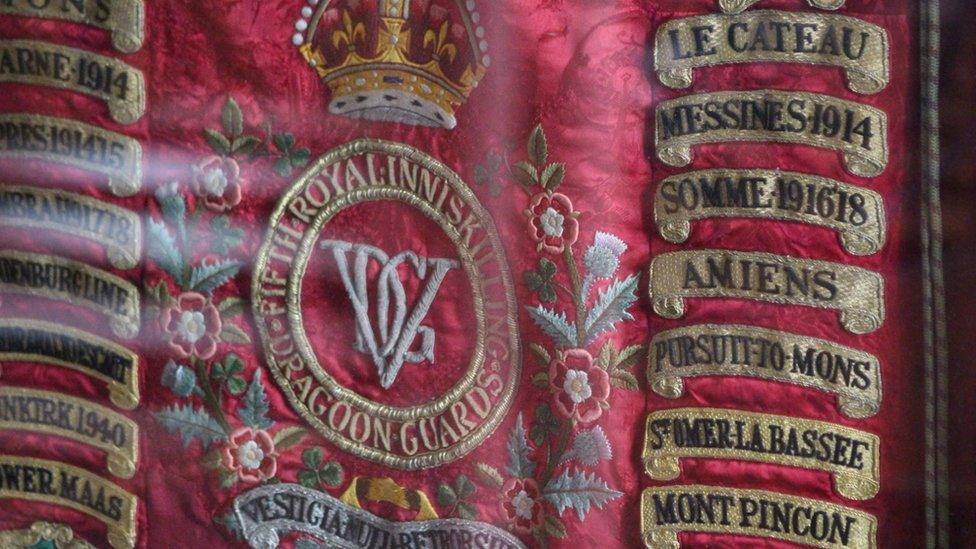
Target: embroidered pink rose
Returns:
[217, 181]
[581, 388]
[252, 454]
[192, 326]
[521, 504]
[552, 222]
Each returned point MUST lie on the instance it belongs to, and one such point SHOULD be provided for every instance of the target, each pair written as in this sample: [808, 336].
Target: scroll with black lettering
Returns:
[121, 86]
[34, 136]
[64, 485]
[671, 510]
[738, 6]
[855, 212]
[857, 293]
[858, 132]
[849, 455]
[125, 19]
[345, 526]
[749, 351]
[28, 340]
[857, 47]
[116, 229]
[62, 279]
[80, 420]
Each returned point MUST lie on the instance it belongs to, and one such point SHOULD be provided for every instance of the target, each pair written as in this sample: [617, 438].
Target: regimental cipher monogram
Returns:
[399, 326]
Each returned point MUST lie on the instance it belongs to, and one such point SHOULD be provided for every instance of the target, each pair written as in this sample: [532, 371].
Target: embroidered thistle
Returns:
[590, 447]
[602, 258]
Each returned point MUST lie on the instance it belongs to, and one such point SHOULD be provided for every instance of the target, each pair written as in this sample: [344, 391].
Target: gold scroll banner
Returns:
[749, 351]
[60, 535]
[671, 510]
[858, 132]
[64, 485]
[851, 456]
[857, 213]
[34, 136]
[125, 19]
[738, 6]
[857, 293]
[121, 86]
[29, 340]
[115, 228]
[62, 279]
[858, 47]
[61, 415]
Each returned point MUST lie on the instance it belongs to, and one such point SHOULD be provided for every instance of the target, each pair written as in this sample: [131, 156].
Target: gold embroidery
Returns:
[80, 420]
[856, 212]
[413, 437]
[123, 18]
[30, 538]
[65, 485]
[738, 6]
[28, 340]
[670, 510]
[857, 131]
[857, 293]
[386, 490]
[115, 228]
[62, 279]
[730, 350]
[40, 63]
[858, 47]
[851, 456]
[24, 135]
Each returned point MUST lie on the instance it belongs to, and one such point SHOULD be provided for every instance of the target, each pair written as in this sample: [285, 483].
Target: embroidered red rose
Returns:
[581, 388]
[521, 504]
[552, 222]
[252, 454]
[192, 325]
[217, 181]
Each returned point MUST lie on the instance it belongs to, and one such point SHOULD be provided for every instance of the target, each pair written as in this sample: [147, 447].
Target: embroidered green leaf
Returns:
[624, 380]
[232, 118]
[171, 204]
[464, 487]
[554, 527]
[540, 353]
[541, 380]
[253, 414]
[579, 491]
[236, 385]
[519, 463]
[231, 307]
[308, 479]
[217, 142]
[538, 147]
[244, 145]
[605, 357]
[212, 459]
[629, 355]
[488, 475]
[284, 142]
[331, 474]
[467, 511]
[312, 457]
[210, 276]
[554, 325]
[230, 522]
[289, 437]
[545, 424]
[225, 237]
[526, 173]
[162, 249]
[233, 334]
[446, 496]
[553, 175]
[228, 478]
[191, 423]
[610, 308]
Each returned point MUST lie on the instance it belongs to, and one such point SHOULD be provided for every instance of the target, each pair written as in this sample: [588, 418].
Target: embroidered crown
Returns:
[411, 61]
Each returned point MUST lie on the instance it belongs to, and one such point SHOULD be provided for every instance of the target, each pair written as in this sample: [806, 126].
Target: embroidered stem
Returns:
[574, 276]
[188, 244]
[208, 395]
[559, 444]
